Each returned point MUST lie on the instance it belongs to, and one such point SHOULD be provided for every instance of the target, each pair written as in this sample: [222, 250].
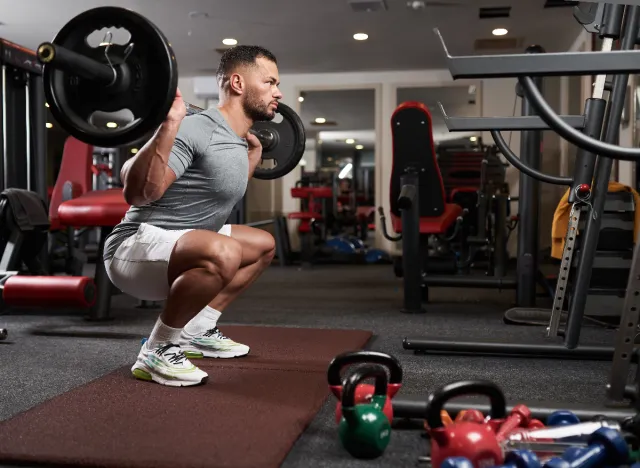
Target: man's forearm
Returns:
[144, 176]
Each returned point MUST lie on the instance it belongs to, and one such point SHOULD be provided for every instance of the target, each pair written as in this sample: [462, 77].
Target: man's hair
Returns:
[238, 56]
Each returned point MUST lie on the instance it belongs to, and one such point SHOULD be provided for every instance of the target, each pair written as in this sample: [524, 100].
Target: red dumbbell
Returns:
[520, 416]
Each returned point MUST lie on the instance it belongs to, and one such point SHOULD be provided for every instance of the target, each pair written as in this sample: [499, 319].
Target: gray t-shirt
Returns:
[212, 169]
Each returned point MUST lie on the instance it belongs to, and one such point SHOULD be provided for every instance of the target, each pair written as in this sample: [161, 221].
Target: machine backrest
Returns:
[463, 168]
[413, 148]
[75, 173]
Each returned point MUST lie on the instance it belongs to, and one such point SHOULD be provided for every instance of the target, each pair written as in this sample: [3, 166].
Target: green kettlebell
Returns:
[364, 429]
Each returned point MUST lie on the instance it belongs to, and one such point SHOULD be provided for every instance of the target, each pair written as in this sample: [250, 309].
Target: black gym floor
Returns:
[40, 362]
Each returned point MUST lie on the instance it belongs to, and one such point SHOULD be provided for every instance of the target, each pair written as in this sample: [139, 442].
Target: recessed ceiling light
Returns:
[300, 99]
[499, 32]
[229, 41]
[46, 104]
[134, 150]
[320, 120]
[360, 36]
[112, 124]
[49, 125]
[349, 141]
[359, 147]
[473, 139]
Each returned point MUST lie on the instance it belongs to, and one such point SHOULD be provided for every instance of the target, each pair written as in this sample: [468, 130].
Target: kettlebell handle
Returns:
[356, 376]
[441, 396]
[359, 357]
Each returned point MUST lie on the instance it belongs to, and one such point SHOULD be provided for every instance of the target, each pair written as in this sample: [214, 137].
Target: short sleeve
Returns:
[185, 146]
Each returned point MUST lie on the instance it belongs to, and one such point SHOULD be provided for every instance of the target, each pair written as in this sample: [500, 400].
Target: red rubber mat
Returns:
[249, 414]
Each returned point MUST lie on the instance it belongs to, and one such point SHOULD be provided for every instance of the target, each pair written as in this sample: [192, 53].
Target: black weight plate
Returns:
[291, 143]
[154, 78]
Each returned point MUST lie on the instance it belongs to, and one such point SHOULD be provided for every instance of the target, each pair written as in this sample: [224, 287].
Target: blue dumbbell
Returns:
[606, 447]
[562, 418]
[521, 459]
[573, 452]
[456, 462]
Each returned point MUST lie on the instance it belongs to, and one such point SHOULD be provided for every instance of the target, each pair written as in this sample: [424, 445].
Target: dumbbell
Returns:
[3, 333]
[514, 459]
[607, 447]
[562, 418]
[519, 417]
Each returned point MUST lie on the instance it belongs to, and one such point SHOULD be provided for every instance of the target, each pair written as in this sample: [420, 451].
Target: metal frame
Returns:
[527, 251]
[549, 64]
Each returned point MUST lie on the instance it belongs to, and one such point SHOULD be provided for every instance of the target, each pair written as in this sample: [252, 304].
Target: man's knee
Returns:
[268, 247]
[220, 255]
[224, 257]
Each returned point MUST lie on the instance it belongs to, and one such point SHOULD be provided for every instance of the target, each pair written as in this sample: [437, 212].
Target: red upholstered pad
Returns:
[316, 192]
[304, 215]
[320, 192]
[433, 225]
[462, 189]
[300, 192]
[96, 208]
[49, 291]
[363, 212]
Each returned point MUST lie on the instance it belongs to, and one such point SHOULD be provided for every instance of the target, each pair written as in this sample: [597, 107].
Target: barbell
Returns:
[83, 83]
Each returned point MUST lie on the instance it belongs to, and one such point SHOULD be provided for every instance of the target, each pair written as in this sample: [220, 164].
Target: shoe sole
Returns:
[142, 374]
[197, 353]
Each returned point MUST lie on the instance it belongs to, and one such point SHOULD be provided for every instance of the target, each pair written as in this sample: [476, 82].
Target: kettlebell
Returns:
[473, 440]
[364, 392]
[364, 429]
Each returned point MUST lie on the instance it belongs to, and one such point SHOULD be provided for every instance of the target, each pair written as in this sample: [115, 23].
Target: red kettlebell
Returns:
[364, 392]
[474, 441]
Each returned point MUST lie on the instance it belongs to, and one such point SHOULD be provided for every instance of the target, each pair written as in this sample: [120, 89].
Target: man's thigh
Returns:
[256, 243]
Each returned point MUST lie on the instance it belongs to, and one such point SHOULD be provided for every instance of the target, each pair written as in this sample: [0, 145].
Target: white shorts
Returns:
[140, 265]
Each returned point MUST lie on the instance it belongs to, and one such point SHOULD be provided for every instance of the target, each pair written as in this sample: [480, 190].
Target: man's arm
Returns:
[255, 153]
[146, 176]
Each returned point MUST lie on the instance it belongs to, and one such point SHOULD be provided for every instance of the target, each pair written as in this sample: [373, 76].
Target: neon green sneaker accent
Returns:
[142, 375]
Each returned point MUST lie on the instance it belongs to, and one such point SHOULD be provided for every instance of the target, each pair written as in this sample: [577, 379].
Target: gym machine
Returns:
[621, 398]
[23, 149]
[529, 68]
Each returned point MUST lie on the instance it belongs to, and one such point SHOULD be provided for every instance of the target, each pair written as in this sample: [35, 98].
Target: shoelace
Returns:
[215, 331]
[174, 358]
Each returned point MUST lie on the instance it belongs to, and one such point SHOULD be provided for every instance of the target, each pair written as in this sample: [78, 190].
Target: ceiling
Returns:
[352, 113]
[310, 36]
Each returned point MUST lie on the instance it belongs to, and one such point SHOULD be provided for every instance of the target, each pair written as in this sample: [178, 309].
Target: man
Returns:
[173, 244]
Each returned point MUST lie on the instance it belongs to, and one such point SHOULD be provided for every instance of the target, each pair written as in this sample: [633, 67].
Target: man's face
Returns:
[260, 100]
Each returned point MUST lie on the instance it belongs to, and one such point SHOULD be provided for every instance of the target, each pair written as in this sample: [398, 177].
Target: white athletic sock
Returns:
[162, 334]
[206, 319]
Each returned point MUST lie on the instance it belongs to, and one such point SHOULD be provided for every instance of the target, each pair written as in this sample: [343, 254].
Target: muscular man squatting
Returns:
[172, 243]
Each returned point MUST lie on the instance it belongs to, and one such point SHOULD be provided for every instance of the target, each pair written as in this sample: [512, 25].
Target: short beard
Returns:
[255, 109]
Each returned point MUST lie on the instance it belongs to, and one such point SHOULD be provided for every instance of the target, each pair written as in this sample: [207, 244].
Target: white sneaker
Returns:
[167, 365]
[211, 343]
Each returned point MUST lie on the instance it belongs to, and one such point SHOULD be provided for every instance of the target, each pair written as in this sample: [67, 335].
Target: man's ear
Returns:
[237, 83]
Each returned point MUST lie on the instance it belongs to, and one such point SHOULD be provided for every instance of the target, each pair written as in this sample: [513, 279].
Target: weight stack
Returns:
[612, 261]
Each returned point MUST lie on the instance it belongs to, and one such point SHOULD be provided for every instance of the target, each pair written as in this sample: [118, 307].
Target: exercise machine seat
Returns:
[75, 173]
[413, 150]
[433, 225]
[94, 209]
[49, 291]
